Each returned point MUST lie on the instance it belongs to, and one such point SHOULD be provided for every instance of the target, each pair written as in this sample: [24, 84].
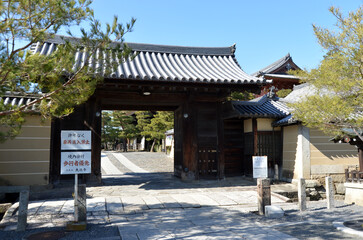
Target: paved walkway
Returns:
[159, 206]
[108, 167]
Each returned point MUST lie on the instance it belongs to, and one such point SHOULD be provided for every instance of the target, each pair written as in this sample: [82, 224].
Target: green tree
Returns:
[283, 92]
[128, 123]
[337, 99]
[154, 126]
[143, 120]
[110, 129]
[23, 23]
[241, 96]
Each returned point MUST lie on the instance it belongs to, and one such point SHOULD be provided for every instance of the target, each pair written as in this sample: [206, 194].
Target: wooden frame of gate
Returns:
[191, 81]
[199, 151]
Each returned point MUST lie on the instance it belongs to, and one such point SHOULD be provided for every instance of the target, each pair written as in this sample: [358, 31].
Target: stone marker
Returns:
[276, 175]
[82, 203]
[23, 203]
[329, 192]
[274, 212]
[301, 192]
[80, 224]
[264, 194]
[23, 210]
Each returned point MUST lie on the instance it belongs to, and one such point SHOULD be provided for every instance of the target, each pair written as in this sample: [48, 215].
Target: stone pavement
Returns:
[190, 214]
[159, 206]
[154, 205]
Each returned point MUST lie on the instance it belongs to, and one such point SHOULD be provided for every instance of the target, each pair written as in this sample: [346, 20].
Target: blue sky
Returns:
[263, 30]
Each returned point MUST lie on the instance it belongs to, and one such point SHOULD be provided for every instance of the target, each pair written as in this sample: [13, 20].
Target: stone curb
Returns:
[340, 226]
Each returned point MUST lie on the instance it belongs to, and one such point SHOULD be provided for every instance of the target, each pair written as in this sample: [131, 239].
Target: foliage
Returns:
[61, 84]
[117, 125]
[154, 125]
[143, 120]
[128, 122]
[338, 81]
[159, 124]
[241, 96]
[283, 92]
[110, 131]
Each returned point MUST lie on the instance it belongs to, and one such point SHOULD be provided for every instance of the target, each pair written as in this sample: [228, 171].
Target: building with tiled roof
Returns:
[20, 100]
[265, 126]
[191, 81]
[277, 72]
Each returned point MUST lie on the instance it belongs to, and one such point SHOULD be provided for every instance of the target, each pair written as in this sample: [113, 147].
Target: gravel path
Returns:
[150, 161]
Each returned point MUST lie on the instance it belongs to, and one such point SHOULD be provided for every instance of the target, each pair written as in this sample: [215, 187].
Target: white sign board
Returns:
[260, 167]
[75, 162]
[76, 140]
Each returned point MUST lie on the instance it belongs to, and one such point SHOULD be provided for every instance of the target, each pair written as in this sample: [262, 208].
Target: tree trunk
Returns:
[152, 146]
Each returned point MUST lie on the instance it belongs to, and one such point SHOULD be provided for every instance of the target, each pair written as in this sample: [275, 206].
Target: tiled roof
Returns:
[17, 100]
[286, 76]
[164, 63]
[273, 66]
[262, 107]
[299, 93]
[284, 121]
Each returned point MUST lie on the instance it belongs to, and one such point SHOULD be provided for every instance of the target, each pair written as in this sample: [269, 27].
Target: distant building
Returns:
[277, 72]
[265, 127]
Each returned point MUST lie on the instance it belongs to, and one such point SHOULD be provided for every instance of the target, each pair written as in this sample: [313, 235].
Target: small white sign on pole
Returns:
[75, 162]
[260, 167]
[76, 140]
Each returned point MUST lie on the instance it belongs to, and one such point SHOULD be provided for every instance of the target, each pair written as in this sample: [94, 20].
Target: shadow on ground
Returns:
[164, 180]
[199, 223]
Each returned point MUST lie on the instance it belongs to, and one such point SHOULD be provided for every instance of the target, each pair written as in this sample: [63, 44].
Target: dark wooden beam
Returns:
[360, 157]
[220, 140]
[255, 137]
[232, 86]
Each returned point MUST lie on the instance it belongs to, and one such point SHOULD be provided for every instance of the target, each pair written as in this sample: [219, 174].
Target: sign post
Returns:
[260, 171]
[76, 197]
[76, 160]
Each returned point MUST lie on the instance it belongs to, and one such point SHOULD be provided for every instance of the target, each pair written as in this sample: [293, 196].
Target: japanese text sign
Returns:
[76, 140]
[75, 162]
[259, 166]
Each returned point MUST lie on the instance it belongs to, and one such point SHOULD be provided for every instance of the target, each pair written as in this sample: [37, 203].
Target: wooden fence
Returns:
[353, 176]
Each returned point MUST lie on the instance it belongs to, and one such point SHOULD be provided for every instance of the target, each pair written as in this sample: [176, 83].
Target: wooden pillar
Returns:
[54, 163]
[93, 122]
[360, 157]
[220, 138]
[264, 194]
[74, 121]
[255, 136]
[178, 141]
[85, 117]
[190, 146]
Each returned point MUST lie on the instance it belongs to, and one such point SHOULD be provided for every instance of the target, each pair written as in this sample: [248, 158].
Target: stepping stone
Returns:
[204, 200]
[96, 204]
[114, 205]
[169, 202]
[153, 202]
[274, 212]
[186, 201]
